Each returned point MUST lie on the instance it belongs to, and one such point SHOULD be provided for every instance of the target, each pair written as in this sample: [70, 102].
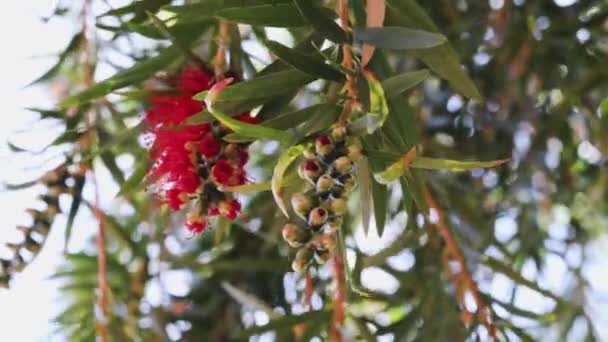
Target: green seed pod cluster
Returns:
[57, 181]
[329, 169]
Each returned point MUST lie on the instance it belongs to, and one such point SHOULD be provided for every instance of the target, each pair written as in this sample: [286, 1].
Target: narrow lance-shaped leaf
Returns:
[306, 63]
[279, 15]
[365, 192]
[378, 110]
[74, 207]
[251, 130]
[396, 85]
[376, 9]
[399, 38]
[454, 165]
[285, 160]
[380, 196]
[397, 169]
[320, 21]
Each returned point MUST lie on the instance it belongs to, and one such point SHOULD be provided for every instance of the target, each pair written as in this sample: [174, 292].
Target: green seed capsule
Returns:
[301, 204]
[317, 217]
[349, 184]
[343, 165]
[32, 245]
[309, 153]
[322, 256]
[334, 223]
[324, 183]
[294, 236]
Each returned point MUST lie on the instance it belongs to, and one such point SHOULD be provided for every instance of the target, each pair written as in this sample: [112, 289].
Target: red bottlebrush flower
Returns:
[196, 227]
[222, 172]
[246, 117]
[193, 80]
[173, 198]
[230, 209]
[209, 146]
[172, 109]
[188, 181]
[213, 211]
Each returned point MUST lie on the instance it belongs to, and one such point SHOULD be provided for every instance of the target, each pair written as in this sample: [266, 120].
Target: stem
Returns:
[88, 72]
[309, 289]
[463, 278]
[350, 86]
[339, 298]
[223, 39]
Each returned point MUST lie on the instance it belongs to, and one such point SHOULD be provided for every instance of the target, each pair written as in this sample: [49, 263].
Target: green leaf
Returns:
[281, 15]
[251, 130]
[378, 110]
[134, 74]
[285, 160]
[72, 47]
[134, 181]
[441, 59]
[365, 192]
[293, 119]
[310, 65]
[74, 207]
[397, 169]
[498, 266]
[398, 38]
[454, 165]
[396, 85]
[69, 136]
[380, 196]
[254, 187]
[176, 41]
[249, 300]
[249, 94]
[200, 118]
[320, 21]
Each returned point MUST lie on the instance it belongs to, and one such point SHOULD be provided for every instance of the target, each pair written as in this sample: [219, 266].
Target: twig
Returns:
[350, 86]
[88, 72]
[223, 39]
[339, 298]
[462, 280]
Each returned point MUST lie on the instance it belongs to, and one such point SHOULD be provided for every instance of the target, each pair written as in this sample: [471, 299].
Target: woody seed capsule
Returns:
[338, 134]
[309, 170]
[325, 183]
[338, 206]
[294, 236]
[354, 152]
[301, 204]
[323, 145]
[302, 260]
[322, 256]
[343, 165]
[318, 216]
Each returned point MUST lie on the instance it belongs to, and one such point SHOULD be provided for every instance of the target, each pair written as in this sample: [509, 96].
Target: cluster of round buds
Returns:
[329, 169]
[56, 182]
[192, 162]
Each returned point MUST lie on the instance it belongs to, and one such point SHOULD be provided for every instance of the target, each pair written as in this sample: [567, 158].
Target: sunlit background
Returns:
[26, 309]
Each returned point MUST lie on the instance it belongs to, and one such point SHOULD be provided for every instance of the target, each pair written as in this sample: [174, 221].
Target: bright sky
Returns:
[26, 308]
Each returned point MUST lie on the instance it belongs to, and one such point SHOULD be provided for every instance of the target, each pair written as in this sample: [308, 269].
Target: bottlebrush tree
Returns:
[325, 170]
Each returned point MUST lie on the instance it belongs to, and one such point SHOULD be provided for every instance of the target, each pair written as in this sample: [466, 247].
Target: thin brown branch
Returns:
[223, 40]
[463, 281]
[350, 86]
[339, 314]
[88, 72]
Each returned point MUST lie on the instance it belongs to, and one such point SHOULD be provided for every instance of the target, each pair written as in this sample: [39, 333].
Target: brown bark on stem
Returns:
[463, 281]
[223, 39]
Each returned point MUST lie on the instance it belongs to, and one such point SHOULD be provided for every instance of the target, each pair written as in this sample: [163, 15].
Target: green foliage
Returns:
[544, 112]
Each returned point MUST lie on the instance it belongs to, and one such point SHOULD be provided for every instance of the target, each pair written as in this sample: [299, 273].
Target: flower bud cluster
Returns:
[329, 171]
[192, 162]
[34, 235]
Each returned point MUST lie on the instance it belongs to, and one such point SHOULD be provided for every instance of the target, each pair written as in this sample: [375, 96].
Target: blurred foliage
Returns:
[533, 89]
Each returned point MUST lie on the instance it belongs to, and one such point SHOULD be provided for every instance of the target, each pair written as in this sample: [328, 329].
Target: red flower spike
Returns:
[209, 146]
[230, 209]
[173, 198]
[222, 172]
[193, 80]
[196, 227]
[171, 109]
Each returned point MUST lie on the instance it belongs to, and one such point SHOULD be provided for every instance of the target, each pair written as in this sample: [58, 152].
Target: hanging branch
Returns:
[463, 281]
[88, 67]
[350, 86]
